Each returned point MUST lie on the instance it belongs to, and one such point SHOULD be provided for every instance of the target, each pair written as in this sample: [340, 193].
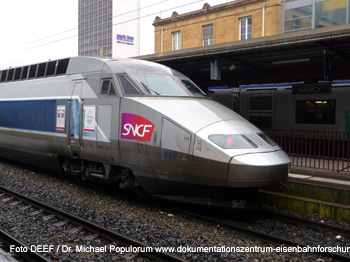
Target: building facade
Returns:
[109, 28]
[245, 19]
[232, 21]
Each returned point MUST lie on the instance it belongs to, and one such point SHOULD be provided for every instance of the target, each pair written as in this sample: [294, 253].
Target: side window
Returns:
[315, 111]
[105, 87]
[128, 88]
[112, 90]
[108, 88]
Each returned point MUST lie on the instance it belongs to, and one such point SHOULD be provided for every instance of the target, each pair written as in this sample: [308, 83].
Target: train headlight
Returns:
[232, 141]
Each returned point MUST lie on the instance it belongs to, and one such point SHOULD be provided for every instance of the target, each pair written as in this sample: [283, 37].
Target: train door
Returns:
[96, 124]
[104, 120]
[175, 158]
[89, 123]
[106, 115]
[75, 108]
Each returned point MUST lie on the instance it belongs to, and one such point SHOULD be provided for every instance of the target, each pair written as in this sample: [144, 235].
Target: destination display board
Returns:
[317, 88]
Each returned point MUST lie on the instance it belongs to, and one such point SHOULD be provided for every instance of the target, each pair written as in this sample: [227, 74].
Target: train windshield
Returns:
[168, 85]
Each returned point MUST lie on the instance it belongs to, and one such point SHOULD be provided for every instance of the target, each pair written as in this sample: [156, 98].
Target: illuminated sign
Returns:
[125, 39]
[135, 127]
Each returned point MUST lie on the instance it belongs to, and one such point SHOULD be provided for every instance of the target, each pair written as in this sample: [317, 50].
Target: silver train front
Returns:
[200, 151]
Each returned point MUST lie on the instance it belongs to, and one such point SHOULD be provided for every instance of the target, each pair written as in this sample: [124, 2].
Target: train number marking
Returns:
[169, 156]
[136, 127]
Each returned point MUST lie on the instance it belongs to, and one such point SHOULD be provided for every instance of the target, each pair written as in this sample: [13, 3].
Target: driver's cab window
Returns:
[108, 87]
[127, 86]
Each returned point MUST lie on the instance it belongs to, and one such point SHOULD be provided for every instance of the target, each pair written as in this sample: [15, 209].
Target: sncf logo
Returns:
[136, 127]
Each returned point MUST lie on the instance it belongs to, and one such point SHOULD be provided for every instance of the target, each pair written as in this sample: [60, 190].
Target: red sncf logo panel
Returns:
[136, 127]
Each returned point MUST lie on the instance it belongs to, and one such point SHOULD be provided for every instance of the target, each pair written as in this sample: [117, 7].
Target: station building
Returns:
[245, 19]
[232, 21]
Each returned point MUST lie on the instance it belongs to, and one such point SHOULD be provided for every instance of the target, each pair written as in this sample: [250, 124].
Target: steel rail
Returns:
[259, 235]
[310, 224]
[256, 234]
[92, 227]
[28, 255]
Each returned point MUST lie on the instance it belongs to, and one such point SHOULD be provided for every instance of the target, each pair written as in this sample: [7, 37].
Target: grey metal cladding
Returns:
[80, 65]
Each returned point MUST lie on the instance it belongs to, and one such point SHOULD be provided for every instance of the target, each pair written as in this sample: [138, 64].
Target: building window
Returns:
[331, 12]
[298, 18]
[176, 36]
[245, 28]
[208, 38]
[298, 14]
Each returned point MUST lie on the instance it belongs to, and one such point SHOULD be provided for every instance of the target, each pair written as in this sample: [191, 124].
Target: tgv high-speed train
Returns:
[137, 124]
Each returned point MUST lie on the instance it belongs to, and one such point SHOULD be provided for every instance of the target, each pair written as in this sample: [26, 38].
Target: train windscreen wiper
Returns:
[149, 89]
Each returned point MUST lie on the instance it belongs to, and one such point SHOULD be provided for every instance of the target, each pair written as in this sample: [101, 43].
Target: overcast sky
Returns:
[38, 30]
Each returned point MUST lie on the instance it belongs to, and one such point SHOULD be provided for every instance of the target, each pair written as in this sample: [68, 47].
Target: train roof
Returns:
[281, 85]
[335, 82]
[66, 66]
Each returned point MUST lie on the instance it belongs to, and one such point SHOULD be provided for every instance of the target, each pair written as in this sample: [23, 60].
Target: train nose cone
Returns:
[258, 169]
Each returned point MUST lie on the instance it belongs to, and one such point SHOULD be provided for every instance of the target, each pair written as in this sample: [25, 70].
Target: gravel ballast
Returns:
[150, 225]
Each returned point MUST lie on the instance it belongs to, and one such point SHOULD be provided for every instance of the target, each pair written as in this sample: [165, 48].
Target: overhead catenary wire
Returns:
[37, 40]
[43, 38]
[64, 32]
[126, 21]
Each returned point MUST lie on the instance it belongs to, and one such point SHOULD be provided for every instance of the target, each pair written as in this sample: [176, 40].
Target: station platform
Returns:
[312, 191]
[320, 177]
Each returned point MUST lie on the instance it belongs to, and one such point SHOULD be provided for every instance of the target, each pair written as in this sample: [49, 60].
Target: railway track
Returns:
[258, 229]
[74, 236]
[174, 224]
[9, 241]
[258, 225]
[307, 223]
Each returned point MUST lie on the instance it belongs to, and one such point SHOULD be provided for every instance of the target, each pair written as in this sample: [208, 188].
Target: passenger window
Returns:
[128, 88]
[260, 103]
[320, 111]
